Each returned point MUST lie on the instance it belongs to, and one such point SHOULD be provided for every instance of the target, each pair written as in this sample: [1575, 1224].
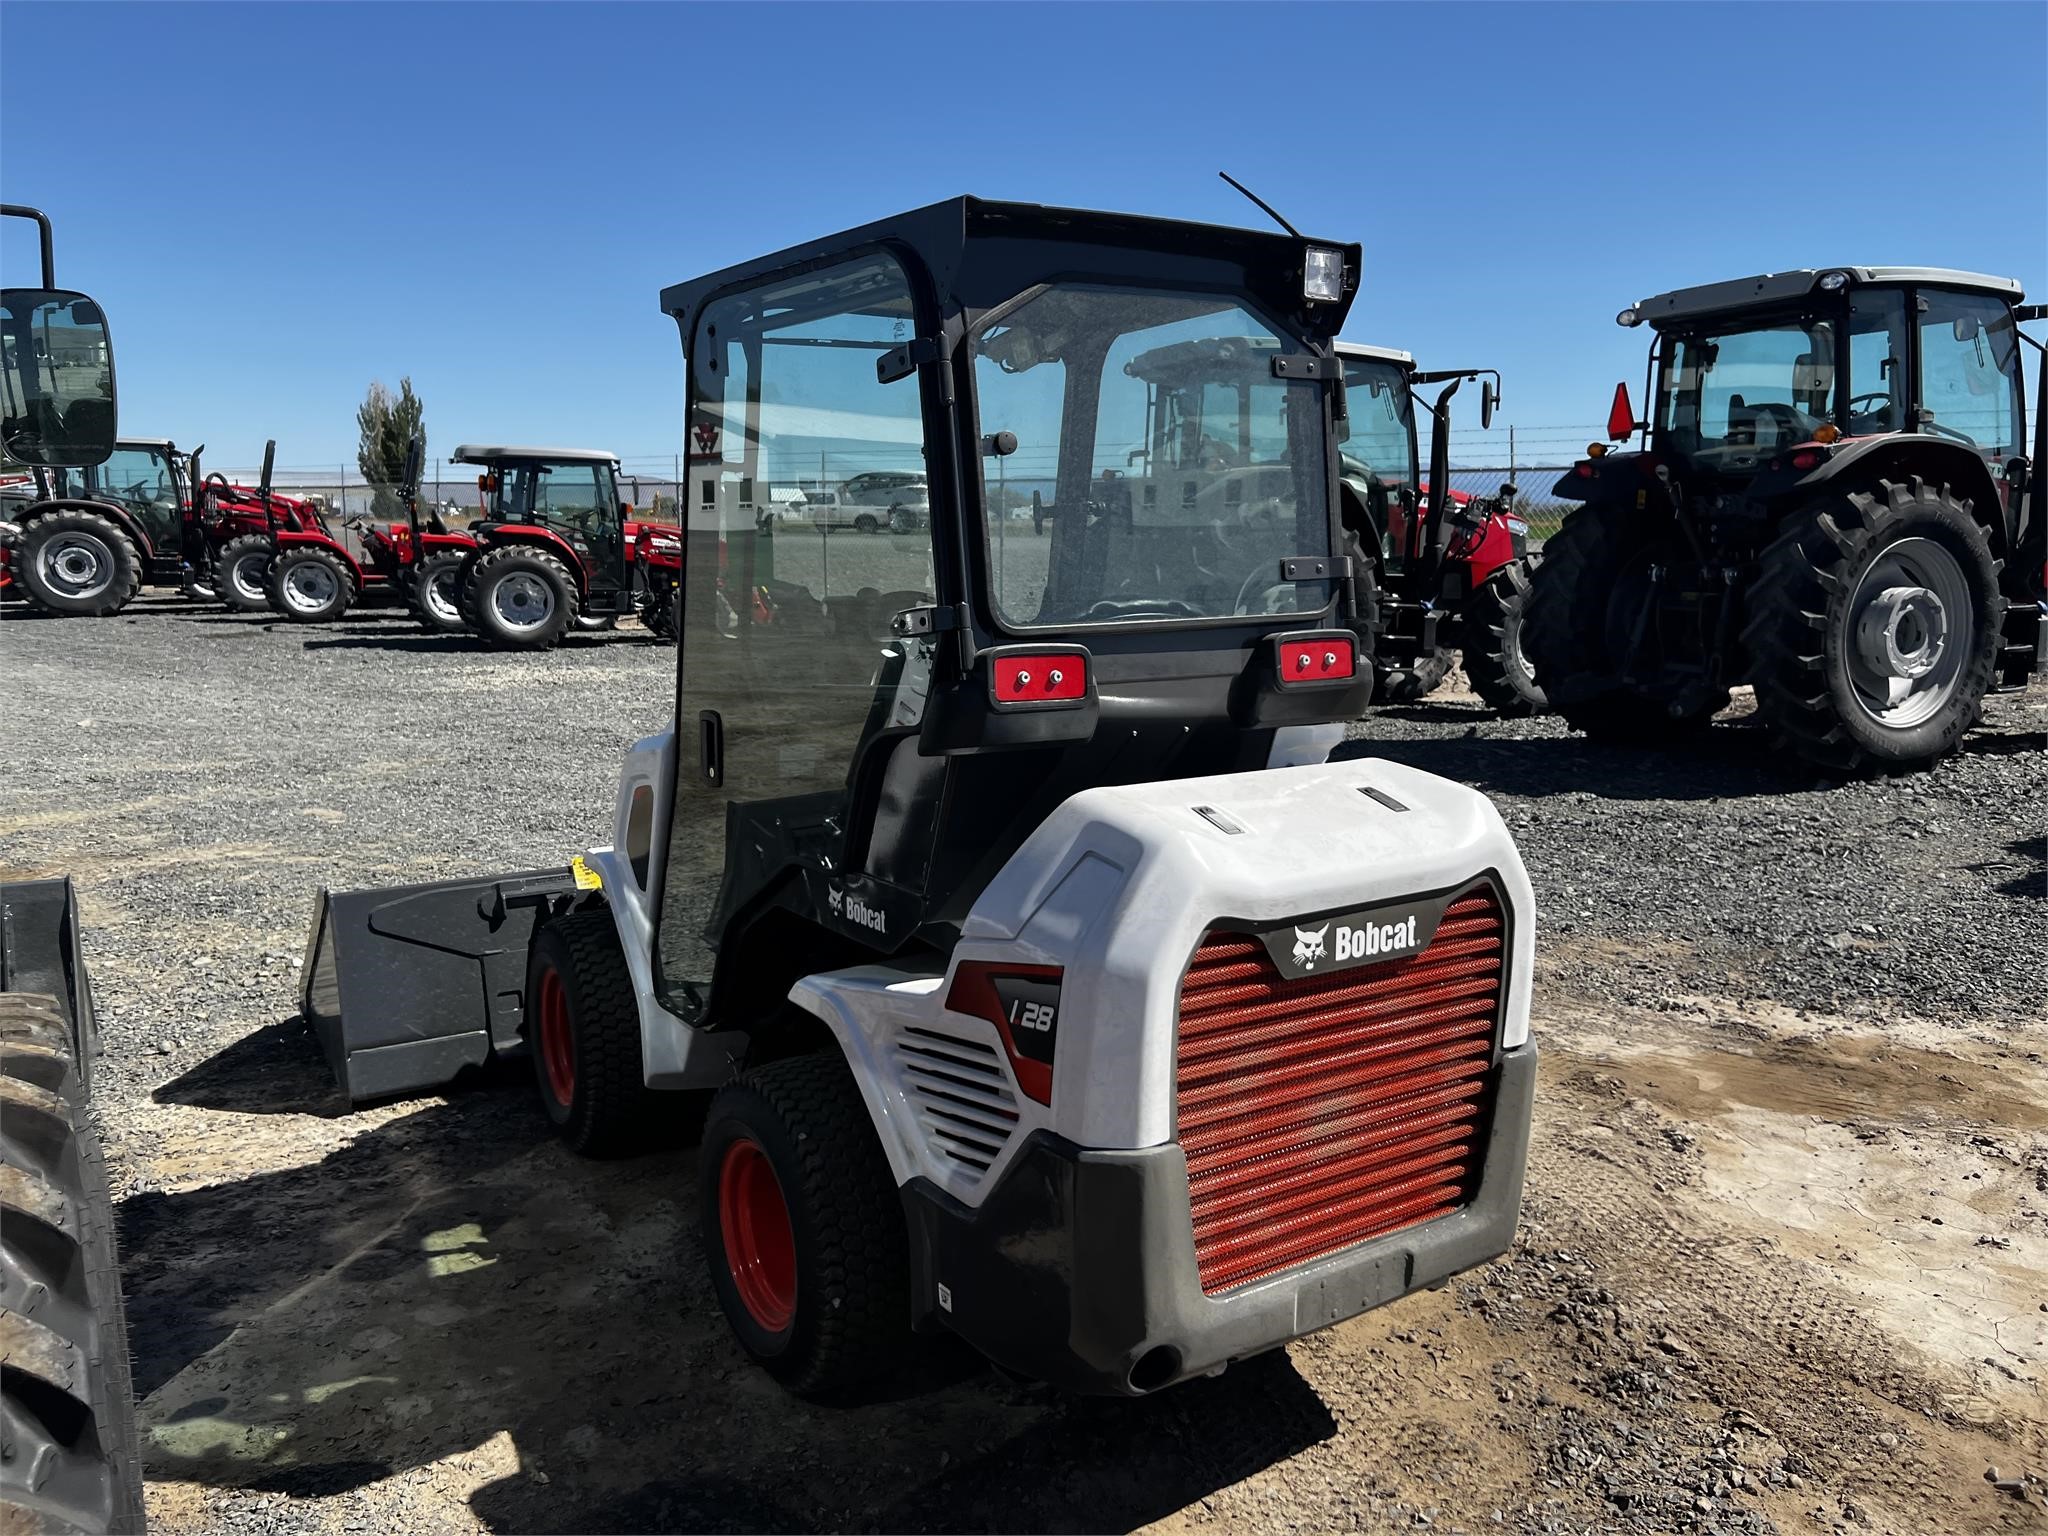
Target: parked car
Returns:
[899, 500]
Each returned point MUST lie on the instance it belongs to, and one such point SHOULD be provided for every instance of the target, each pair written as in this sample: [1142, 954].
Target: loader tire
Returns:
[803, 1228]
[1583, 601]
[434, 595]
[1407, 683]
[309, 585]
[69, 1454]
[585, 1040]
[239, 570]
[77, 563]
[1496, 661]
[1874, 628]
[520, 598]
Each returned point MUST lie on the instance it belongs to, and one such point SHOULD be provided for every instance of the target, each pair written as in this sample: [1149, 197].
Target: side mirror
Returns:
[1487, 401]
[60, 410]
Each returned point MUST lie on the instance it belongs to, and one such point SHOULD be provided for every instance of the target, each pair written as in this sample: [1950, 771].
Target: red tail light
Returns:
[1621, 417]
[1809, 458]
[1330, 657]
[1030, 678]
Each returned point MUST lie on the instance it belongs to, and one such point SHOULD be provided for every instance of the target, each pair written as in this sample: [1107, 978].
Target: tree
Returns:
[386, 424]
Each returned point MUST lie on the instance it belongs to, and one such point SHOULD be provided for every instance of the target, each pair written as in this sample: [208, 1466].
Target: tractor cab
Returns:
[869, 728]
[552, 549]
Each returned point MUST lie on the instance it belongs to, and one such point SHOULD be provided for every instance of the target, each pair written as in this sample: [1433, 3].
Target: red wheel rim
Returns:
[557, 1041]
[760, 1248]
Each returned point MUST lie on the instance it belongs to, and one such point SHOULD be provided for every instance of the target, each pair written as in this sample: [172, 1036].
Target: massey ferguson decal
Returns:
[1346, 939]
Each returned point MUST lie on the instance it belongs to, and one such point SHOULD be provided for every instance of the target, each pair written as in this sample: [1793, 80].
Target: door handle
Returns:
[711, 748]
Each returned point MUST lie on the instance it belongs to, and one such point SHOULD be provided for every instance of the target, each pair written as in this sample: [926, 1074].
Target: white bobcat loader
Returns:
[1053, 988]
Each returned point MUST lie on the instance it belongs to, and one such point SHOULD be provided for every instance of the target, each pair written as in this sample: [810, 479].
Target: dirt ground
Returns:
[1781, 1267]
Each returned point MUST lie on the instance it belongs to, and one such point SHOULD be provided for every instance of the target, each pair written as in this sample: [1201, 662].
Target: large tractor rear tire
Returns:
[239, 571]
[309, 585]
[1874, 629]
[435, 594]
[78, 563]
[520, 598]
[1584, 602]
[1408, 683]
[1496, 660]
[69, 1457]
[802, 1226]
[584, 1032]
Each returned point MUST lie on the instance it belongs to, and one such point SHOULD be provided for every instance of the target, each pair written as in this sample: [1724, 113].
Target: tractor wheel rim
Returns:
[309, 587]
[76, 564]
[760, 1244]
[523, 601]
[440, 598]
[246, 577]
[1910, 622]
[557, 1040]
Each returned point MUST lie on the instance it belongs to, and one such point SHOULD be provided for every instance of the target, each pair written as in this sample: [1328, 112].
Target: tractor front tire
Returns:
[309, 585]
[239, 571]
[520, 598]
[662, 613]
[77, 563]
[69, 1455]
[435, 594]
[1582, 605]
[1496, 661]
[1874, 628]
[583, 1028]
[803, 1228]
[1398, 683]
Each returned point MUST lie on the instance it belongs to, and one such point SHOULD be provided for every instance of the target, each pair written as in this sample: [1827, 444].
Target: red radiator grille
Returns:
[1321, 1112]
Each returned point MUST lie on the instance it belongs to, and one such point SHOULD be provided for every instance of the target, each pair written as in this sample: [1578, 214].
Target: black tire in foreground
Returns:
[1496, 661]
[239, 571]
[1585, 601]
[1409, 682]
[803, 1227]
[309, 585]
[584, 1033]
[435, 594]
[77, 563]
[520, 598]
[1874, 629]
[71, 1459]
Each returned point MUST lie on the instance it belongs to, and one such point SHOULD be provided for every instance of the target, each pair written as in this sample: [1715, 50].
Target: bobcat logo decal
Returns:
[1308, 946]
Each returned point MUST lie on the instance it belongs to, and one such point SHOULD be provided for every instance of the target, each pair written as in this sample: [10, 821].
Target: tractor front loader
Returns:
[1048, 983]
[1831, 503]
[71, 1458]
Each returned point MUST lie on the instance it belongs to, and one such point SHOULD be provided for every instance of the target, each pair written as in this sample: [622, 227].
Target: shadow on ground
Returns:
[451, 1284]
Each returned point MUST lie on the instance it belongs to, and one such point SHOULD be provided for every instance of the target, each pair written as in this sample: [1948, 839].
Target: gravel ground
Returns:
[1779, 1268]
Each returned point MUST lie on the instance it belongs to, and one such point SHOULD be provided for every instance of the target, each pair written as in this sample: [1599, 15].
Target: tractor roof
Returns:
[981, 253]
[1776, 287]
[1376, 354]
[146, 442]
[495, 453]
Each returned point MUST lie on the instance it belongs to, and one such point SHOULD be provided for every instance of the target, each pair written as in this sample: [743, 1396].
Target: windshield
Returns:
[1731, 399]
[1380, 444]
[1160, 469]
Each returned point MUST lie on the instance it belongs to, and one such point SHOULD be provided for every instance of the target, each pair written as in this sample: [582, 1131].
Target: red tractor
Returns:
[1455, 579]
[248, 529]
[555, 552]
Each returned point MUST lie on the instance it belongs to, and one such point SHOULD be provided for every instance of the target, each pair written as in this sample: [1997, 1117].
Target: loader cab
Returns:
[866, 728]
[1747, 374]
[1382, 473]
[147, 477]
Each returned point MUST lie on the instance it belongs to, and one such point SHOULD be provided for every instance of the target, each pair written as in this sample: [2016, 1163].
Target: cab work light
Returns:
[1322, 274]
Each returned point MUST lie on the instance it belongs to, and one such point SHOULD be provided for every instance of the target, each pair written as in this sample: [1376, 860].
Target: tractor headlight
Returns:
[1631, 317]
[1833, 282]
[1322, 274]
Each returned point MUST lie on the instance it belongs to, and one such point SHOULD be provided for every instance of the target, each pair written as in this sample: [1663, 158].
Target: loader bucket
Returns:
[408, 985]
[39, 952]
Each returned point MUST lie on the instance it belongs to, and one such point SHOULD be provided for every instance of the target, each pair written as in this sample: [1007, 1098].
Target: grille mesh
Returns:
[963, 1101]
[1318, 1113]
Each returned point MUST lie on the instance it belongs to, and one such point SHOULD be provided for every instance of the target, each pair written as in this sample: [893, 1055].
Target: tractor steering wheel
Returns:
[1880, 401]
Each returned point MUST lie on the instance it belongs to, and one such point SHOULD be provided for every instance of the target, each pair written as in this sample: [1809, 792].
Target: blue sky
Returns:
[278, 204]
